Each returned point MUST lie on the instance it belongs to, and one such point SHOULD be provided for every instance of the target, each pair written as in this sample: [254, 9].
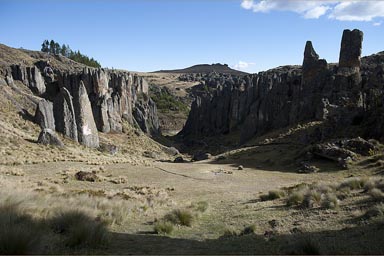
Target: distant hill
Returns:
[206, 68]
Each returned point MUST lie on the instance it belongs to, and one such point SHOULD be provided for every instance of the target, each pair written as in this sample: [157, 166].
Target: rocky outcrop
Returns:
[340, 95]
[49, 137]
[86, 127]
[31, 77]
[44, 115]
[144, 114]
[86, 101]
[64, 113]
[350, 50]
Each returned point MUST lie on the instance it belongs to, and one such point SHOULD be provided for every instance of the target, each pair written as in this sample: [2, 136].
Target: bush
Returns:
[180, 217]
[80, 229]
[272, 195]
[296, 198]
[168, 102]
[163, 227]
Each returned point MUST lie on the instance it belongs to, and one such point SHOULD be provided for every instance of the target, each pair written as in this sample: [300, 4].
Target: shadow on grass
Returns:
[359, 240]
[66, 232]
[22, 234]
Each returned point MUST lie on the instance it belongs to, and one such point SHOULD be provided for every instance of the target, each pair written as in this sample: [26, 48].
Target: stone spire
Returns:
[350, 50]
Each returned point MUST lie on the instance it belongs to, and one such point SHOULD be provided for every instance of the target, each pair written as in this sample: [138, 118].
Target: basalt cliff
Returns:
[342, 95]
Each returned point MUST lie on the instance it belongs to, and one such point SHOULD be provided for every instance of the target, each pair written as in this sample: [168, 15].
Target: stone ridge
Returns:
[286, 96]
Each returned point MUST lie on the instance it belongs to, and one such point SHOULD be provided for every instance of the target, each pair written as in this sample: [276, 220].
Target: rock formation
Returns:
[30, 76]
[288, 95]
[64, 113]
[86, 127]
[79, 103]
[44, 115]
[49, 137]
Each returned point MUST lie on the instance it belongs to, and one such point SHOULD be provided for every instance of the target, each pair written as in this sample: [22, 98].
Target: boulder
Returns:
[44, 114]
[332, 152]
[86, 176]
[359, 146]
[179, 159]
[36, 80]
[201, 156]
[86, 127]
[171, 151]
[49, 137]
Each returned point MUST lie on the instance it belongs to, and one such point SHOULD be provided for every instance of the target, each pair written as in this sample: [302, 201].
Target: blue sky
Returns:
[148, 35]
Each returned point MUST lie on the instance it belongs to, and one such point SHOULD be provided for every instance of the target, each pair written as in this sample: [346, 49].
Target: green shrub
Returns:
[163, 227]
[167, 102]
[272, 195]
[180, 217]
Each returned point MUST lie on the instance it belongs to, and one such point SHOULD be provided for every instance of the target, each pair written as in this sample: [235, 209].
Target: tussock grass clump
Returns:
[229, 232]
[272, 195]
[311, 198]
[376, 211]
[249, 230]
[377, 194]
[330, 201]
[295, 198]
[202, 206]
[19, 233]
[354, 183]
[180, 217]
[80, 230]
[163, 227]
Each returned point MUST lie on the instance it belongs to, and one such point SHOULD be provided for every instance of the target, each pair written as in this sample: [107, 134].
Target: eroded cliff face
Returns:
[81, 103]
[342, 95]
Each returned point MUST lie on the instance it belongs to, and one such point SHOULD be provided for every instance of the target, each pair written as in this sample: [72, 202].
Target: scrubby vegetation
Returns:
[180, 217]
[53, 47]
[80, 229]
[163, 227]
[272, 195]
[166, 102]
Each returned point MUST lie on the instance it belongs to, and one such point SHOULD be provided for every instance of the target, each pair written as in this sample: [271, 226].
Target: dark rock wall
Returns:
[287, 95]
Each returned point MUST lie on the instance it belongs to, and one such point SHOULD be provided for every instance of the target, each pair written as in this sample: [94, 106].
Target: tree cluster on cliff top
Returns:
[53, 47]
